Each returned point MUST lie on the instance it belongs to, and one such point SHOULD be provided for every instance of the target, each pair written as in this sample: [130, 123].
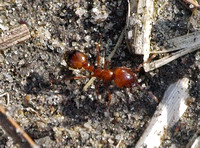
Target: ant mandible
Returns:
[123, 77]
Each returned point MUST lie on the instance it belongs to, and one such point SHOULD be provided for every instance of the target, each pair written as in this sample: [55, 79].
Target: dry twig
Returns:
[170, 109]
[14, 36]
[182, 45]
[15, 131]
[139, 33]
[194, 142]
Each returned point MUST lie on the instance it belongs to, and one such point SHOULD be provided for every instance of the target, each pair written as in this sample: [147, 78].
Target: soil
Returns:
[34, 73]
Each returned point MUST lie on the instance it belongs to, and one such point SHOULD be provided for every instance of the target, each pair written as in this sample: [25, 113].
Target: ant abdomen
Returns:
[124, 77]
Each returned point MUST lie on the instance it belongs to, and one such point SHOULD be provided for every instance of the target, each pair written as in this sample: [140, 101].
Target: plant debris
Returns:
[74, 117]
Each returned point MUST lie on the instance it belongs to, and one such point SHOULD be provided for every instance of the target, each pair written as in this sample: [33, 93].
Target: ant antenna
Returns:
[97, 50]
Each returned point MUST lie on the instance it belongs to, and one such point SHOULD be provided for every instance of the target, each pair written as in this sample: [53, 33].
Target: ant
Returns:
[123, 77]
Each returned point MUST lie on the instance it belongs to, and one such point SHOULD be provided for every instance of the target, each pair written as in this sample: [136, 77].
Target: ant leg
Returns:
[57, 81]
[149, 92]
[106, 64]
[109, 96]
[75, 77]
[148, 61]
[98, 66]
[109, 100]
[98, 57]
[97, 88]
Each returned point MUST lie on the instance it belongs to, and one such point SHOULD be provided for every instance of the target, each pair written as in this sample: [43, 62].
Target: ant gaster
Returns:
[123, 77]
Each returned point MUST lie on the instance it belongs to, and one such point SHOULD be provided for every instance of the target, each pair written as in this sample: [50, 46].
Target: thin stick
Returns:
[158, 63]
[166, 51]
[128, 13]
[88, 83]
[117, 45]
[15, 131]
[29, 109]
[119, 143]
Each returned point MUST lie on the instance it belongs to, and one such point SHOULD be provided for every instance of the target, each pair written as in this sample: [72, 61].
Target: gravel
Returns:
[33, 72]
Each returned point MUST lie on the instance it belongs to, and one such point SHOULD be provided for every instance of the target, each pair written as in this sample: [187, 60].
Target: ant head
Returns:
[75, 59]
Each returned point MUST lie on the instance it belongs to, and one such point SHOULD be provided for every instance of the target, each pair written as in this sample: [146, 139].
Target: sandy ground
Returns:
[67, 115]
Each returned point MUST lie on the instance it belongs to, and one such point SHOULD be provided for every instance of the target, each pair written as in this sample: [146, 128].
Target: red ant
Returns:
[123, 77]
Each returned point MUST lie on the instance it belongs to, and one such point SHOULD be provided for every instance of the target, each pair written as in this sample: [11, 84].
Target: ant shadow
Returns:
[87, 108]
[35, 84]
